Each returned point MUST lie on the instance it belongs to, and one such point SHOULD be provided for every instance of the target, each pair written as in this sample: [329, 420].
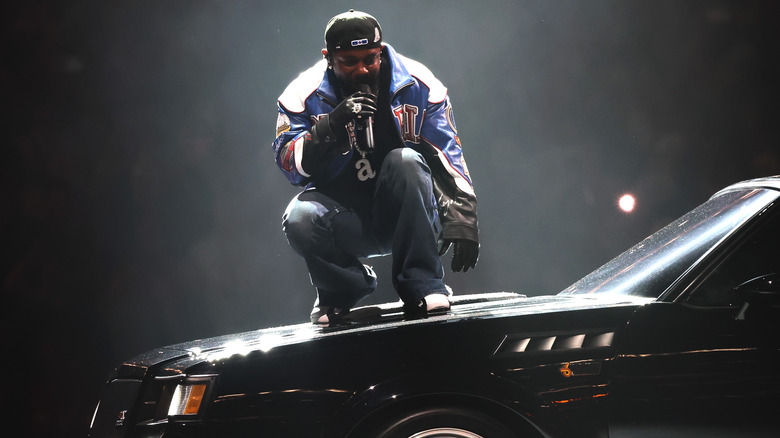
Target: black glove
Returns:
[328, 134]
[358, 105]
[465, 256]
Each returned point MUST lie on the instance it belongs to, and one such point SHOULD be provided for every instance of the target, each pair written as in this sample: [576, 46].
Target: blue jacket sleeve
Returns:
[453, 188]
[291, 132]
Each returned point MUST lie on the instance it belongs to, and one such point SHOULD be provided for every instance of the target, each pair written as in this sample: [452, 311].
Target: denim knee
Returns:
[299, 223]
[405, 164]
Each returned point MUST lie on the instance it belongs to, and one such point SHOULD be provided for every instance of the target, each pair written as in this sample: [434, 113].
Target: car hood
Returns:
[369, 318]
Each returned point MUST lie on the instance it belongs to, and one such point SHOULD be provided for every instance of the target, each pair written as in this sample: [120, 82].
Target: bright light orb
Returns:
[627, 203]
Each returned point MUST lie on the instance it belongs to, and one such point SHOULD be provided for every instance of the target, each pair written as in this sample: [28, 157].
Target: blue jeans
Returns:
[402, 220]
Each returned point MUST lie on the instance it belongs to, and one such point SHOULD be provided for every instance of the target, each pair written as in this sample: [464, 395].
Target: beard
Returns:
[349, 87]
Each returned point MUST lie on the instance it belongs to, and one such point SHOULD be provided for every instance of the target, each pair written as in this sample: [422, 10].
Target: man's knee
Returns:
[404, 157]
[299, 223]
[405, 164]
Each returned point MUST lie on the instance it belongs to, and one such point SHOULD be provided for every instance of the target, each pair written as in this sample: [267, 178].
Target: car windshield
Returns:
[651, 266]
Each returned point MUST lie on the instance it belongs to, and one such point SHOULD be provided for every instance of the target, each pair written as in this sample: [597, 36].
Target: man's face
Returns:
[356, 67]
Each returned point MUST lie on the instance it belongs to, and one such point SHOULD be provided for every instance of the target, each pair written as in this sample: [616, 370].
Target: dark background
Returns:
[141, 204]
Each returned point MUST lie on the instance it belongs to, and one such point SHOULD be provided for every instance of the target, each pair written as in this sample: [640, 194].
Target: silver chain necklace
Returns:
[363, 166]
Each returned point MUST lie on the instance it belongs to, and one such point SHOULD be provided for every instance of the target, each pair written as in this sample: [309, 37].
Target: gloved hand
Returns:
[358, 105]
[328, 134]
[465, 255]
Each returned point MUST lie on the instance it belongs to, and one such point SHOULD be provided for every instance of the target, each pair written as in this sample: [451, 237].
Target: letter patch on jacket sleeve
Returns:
[407, 120]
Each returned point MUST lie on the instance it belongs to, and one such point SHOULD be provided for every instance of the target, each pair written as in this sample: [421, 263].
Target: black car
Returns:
[678, 336]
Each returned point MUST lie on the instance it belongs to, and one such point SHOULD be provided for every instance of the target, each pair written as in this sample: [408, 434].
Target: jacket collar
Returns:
[399, 77]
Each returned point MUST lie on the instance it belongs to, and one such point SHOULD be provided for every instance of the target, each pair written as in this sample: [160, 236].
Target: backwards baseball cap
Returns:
[352, 30]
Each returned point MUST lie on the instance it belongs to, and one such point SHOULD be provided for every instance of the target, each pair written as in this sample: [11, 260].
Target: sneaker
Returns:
[433, 303]
[325, 315]
[436, 303]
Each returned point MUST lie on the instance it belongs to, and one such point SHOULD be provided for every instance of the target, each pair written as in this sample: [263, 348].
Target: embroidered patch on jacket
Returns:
[451, 119]
[282, 124]
[406, 115]
[287, 157]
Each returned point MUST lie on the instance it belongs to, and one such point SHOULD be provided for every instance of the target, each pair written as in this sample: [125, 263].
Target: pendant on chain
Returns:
[365, 172]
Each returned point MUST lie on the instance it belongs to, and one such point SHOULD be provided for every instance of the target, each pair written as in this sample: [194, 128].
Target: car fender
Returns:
[378, 403]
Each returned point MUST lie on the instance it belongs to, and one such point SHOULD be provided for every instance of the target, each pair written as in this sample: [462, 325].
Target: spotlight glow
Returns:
[627, 203]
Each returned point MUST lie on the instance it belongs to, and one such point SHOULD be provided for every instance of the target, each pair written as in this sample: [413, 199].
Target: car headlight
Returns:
[187, 399]
[189, 396]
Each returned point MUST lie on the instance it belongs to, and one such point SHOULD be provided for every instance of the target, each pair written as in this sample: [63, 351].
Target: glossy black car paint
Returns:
[648, 361]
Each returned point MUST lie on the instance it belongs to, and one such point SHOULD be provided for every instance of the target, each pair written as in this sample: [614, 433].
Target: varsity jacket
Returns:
[424, 122]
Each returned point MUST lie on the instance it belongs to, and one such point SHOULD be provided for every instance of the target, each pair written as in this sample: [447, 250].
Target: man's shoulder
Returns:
[294, 97]
[422, 74]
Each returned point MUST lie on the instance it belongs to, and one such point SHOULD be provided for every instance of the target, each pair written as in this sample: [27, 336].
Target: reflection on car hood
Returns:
[389, 316]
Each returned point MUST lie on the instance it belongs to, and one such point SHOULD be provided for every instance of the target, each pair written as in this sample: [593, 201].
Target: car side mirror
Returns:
[759, 291]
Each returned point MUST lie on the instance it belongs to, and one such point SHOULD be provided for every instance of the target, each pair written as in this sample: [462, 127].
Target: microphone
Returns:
[369, 121]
